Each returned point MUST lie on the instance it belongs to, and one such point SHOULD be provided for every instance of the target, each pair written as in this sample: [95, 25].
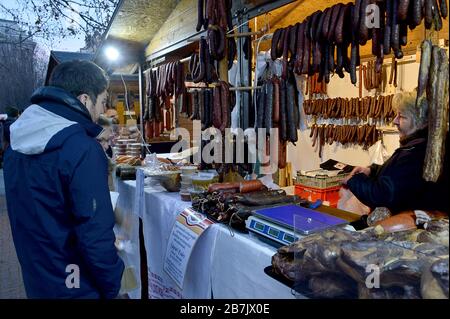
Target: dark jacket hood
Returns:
[60, 96]
[54, 115]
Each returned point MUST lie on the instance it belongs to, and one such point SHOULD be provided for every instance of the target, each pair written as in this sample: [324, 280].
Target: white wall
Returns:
[304, 157]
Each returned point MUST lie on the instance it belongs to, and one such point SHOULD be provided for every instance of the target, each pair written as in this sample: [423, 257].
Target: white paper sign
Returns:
[339, 165]
[188, 227]
[139, 194]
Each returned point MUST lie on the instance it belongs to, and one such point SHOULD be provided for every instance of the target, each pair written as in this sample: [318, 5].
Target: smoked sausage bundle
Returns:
[375, 107]
[362, 135]
[322, 42]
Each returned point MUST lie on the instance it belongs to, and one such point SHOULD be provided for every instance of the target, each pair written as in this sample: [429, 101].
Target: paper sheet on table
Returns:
[181, 155]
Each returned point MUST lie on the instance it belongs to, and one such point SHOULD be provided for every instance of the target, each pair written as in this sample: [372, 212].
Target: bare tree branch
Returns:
[51, 19]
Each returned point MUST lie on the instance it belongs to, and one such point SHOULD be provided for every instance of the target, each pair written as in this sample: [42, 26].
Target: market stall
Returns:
[272, 104]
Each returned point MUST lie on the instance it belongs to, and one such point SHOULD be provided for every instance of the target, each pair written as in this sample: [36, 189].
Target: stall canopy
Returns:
[132, 27]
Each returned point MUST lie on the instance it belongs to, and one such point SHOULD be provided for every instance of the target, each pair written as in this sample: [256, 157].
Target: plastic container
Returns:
[319, 179]
[188, 170]
[330, 194]
[201, 181]
[185, 197]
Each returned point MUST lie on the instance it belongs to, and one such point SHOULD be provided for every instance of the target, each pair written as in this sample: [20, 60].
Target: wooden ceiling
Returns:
[139, 20]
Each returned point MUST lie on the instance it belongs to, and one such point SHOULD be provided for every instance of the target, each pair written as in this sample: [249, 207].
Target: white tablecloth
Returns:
[127, 231]
[223, 264]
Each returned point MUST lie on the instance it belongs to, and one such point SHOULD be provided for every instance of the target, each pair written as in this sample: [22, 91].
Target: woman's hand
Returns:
[356, 170]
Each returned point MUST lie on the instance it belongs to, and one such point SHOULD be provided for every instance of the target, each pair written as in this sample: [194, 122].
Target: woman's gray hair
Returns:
[405, 102]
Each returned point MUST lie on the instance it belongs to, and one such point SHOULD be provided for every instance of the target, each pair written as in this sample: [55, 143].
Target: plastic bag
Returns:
[378, 153]
[349, 202]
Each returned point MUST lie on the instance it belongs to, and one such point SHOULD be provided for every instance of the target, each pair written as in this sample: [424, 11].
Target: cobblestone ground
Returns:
[11, 283]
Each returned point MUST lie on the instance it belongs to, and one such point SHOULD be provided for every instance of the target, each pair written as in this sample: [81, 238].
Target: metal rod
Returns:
[185, 60]
[231, 35]
[245, 88]
[386, 62]
[239, 88]
[243, 34]
[141, 107]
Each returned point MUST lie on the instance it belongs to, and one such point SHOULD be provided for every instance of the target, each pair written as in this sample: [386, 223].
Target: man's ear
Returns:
[83, 98]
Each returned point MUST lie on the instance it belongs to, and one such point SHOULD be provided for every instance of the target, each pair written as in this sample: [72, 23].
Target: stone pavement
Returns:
[11, 283]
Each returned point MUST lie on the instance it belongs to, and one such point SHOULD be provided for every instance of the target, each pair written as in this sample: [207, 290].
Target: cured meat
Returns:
[268, 109]
[260, 102]
[417, 12]
[399, 222]
[326, 23]
[283, 115]
[363, 29]
[388, 28]
[290, 110]
[429, 8]
[325, 64]
[344, 15]
[331, 286]
[400, 263]
[250, 186]
[437, 19]
[217, 110]
[443, 8]
[265, 197]
[282, 154]
[403, 6]
[306, 50]
[395, 30]
[439, 269]
[437, 232]
[403, 34]
[434, 282]
[286, 38]
[206, 117]
[317, 57]
[275, 39]
[276, 101]
[225, 105]
[318, 30]
[299, 52]
[315, 254]
[438, 117]
[287, 266]
[377, 215]
[406, 292]
[223, 186]
[425, 61]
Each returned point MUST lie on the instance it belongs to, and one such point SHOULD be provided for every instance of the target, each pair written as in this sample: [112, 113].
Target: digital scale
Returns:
[288, 223]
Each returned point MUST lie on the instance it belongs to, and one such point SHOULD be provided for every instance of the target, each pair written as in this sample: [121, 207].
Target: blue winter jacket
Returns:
[56, 181]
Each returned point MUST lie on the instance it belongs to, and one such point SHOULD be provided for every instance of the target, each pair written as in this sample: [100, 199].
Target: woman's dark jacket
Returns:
[398, 183]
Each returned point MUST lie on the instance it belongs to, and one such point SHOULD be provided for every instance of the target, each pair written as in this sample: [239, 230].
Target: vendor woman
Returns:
[398, 183]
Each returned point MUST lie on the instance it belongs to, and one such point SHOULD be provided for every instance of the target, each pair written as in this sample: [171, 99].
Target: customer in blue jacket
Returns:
[398, 183]
[56, 180]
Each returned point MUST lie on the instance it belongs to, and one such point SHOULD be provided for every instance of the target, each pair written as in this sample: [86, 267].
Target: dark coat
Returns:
[56, 181]
[398, 183]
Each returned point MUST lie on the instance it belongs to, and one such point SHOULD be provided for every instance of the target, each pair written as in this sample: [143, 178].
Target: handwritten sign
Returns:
[188, 227]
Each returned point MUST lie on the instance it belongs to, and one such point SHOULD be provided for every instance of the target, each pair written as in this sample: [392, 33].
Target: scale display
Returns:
[272, 231]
